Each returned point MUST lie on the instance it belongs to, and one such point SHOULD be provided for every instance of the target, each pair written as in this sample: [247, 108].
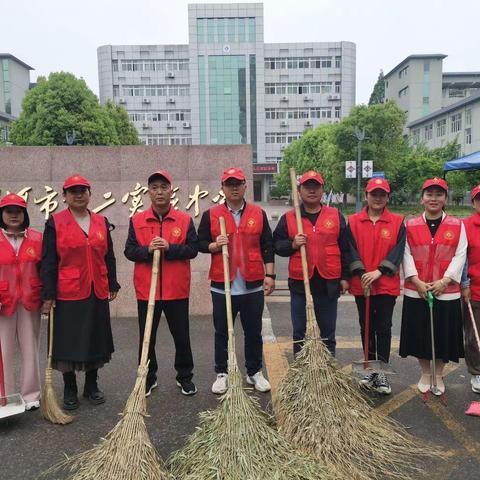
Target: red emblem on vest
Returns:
[328, 223]
[100, 236]
[251, 222]
[176, 232]
[448, 235]
[385, 233]
[30, 251]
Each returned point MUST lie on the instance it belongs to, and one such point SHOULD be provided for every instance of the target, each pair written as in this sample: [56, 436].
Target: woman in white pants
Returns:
[20, 255]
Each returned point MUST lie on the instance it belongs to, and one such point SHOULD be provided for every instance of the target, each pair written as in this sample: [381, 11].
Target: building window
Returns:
[337, 112]
[200, 30]
[115, 65]
[456, 122]
[403, 92]
[468, 117]
[426, 100]
[231, 29]
[426, 65]
[338, 62]
[252, 30]
[416, 136]
[468, 136]
[403, 72]
[441, 127]
[456, 92]
[7, 94]
[241, 30]
[210, 30]
[429, 131]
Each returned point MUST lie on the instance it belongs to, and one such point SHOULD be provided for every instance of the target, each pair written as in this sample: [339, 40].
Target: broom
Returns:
[235, 441]
[49, 407]
[126, 453]
[322, 411]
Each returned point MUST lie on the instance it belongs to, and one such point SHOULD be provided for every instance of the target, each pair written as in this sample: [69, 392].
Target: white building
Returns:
[14, 83]
[440, 106]
[229, 87]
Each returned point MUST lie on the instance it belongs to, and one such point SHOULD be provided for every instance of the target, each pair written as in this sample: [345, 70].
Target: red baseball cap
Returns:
[13, 199]
[76, 180]
[311, 175]
[236, 173]
[160, 173]
[475, 192]
[435, 182]
[379, 183]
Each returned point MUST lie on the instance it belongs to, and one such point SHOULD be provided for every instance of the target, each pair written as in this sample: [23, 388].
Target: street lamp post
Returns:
[360, 134]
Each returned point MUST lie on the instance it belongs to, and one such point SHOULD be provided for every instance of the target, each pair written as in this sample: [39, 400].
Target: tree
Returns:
[378, 94]
[62, 104]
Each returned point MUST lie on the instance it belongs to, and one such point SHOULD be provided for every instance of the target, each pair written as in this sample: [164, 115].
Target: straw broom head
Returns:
[237, 442]
[126, 453]
[49, 406]
[322, 411]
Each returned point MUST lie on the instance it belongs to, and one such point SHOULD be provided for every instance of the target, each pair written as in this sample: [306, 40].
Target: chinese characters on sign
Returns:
[49, 202]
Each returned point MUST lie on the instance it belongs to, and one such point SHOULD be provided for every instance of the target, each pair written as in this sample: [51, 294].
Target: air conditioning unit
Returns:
[334, 97]
[170, 75]
[186, 125]
[282, 148]
[146, 100]
[283, 123]
[170, 100]
[145, 125]
[307, 98]
[122, 100]
[308, 123]
[284, 99]
[170, 125]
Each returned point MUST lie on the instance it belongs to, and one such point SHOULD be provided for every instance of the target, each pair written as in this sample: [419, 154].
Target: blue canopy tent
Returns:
[468, 162]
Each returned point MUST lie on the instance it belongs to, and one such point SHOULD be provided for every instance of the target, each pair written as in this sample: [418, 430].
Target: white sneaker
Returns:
[475, 381]
[259, 382]
[32, 405]
[219, 386]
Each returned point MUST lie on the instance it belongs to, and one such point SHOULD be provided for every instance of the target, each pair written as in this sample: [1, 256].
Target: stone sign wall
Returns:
[118, 176]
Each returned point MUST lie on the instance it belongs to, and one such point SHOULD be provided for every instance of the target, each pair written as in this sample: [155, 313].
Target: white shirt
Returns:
[454, 270]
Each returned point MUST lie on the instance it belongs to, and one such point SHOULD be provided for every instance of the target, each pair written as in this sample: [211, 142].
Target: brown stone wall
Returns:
[117, 170]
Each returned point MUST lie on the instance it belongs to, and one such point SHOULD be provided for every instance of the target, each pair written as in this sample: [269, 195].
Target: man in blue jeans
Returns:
[326, 242]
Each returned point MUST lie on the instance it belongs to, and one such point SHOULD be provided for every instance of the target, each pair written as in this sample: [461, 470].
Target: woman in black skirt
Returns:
[79, 279]
[434, 256]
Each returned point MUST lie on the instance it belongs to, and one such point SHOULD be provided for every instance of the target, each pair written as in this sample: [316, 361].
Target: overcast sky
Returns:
[53, 35]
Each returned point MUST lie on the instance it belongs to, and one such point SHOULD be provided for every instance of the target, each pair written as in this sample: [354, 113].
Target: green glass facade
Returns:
[253, 105]
[227, 29]
[7, 88]
[202, 101]
[227, 99]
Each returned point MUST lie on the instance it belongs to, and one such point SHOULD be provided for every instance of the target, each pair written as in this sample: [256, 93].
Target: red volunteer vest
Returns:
[472, 229]
[374, 242]
[174, 275]
[323, 252]
[243, 243]
[81, 260]
[19, 279]
[433, 256]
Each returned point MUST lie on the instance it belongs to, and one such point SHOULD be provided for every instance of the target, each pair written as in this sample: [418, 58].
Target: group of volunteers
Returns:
[71, 270]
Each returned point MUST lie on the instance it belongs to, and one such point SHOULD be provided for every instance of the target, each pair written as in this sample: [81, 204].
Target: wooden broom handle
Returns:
[50, 338]
[226, 276]
[151, 308]
[303, 252]
[474, 325]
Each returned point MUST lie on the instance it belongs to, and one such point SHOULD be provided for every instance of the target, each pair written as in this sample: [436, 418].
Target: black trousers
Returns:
[176, 312]
[250, 307]
[380, 337]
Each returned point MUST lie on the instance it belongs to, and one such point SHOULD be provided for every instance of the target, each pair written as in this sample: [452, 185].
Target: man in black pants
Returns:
[163, 228]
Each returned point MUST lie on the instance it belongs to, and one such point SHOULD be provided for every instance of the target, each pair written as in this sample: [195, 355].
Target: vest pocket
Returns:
[68, 281]
[5, 298]
[332, 259]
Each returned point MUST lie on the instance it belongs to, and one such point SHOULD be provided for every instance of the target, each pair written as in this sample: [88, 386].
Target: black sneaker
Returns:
[382, 385]
[369, 379]
[188, 388]
[149, 387]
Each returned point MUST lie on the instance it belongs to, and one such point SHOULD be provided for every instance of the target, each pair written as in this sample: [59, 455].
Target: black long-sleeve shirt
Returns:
[318, 285]
[49, 265]
[266, 244]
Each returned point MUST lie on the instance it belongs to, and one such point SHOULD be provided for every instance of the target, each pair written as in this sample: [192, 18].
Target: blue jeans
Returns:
[326, 313]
